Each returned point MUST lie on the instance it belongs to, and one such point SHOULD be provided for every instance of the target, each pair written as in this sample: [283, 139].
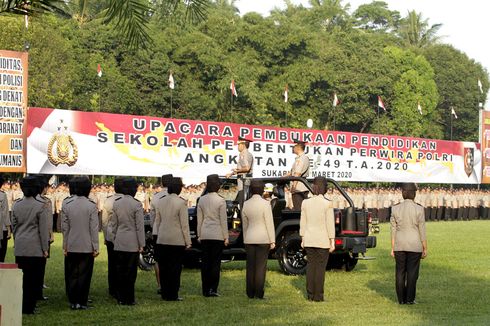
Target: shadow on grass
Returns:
[442, 294]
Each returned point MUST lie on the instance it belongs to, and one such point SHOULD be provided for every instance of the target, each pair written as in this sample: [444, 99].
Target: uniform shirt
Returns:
[258, 223]
[107, 212]
[156, 197]
[172, 221]
[80, 225]
[301, 166]
[408, 226]
[211, 217]
[127, 224]
[317, 223]
[4, 213]
[49, 209]
[30, 227]
[245, 159]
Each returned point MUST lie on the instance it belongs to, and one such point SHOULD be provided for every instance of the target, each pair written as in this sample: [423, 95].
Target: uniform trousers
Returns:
[298, 198]
[455, 213]
[440, 213]
[257, 255]
[43, 272]
[126, 273]
[58, 222]
[211, 265]
[111, 268]
[3, 247]
[78, 275]
[407, 274]
[31, 281]
[315, 272]
[170, 267]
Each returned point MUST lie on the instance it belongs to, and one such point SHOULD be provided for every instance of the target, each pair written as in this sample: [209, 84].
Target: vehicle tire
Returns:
[147, 257]
[291, 256]
[335, 261]
[350, 262]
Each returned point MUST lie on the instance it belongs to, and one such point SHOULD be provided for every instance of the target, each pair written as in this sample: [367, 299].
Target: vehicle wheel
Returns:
[291, 256]
[350, 262]
[335, 261]
[147, 257]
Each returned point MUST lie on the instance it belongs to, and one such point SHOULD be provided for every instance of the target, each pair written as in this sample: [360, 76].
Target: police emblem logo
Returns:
[62, 148]
[469, 160]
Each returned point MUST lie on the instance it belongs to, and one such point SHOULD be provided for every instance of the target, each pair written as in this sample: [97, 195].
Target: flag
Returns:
[286, 93]
[233, 88]
[380, 103]
[335, 100]
[171, 82]
[99, 70]
[480, 86]
[419, 107]
[26, 21]
[454, 113]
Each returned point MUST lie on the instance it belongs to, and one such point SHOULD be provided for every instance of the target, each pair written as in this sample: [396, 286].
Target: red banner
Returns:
[75, 142]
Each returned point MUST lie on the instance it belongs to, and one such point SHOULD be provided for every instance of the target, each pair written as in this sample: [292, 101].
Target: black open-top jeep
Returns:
[351, 230]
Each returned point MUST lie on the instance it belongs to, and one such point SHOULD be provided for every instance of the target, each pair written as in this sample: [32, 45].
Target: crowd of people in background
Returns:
[439, 203]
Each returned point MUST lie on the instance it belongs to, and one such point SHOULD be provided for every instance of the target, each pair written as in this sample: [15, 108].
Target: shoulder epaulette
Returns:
[68, 201]
[182, 198]
[90, 200]
[68, 198]
[163, 196]
[40, 199]
[396, 204]
[419, 205]
[117, 198]
[110, 196]
[18, 199]
[136, 200]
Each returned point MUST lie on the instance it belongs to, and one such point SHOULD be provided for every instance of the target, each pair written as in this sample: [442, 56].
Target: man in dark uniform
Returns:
[408, 243]
[301, 168]
[244, 166]
[80, 227]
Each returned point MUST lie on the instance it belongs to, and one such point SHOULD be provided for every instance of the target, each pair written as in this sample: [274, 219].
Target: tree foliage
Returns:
[317, 51]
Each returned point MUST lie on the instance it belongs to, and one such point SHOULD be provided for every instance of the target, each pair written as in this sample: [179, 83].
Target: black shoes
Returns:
[122, 303]
[212, 294]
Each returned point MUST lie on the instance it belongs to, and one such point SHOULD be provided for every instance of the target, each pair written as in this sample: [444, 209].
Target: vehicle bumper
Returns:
[356, 245]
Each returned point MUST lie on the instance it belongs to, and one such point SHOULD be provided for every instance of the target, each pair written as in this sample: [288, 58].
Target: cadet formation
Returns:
[33, 210]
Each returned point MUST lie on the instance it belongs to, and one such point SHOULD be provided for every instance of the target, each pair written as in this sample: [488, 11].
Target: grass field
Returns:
[453, 289]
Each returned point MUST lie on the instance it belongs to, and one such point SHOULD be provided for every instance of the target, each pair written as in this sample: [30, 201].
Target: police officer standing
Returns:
[4, 223]
[317, 231]
[80, 225]
[212, 232]
[408, 243]
[128, 231]
[31, 240]
[301, 168]
[259, 238]
[172, 223]
[107, 213]
[165, 182]
[244, 166]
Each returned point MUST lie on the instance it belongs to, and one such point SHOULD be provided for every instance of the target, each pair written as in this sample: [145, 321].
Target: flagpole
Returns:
[286, 112]
[334, 116]
[231, 101]
[378, 118]
[171, 100]
[451, 123]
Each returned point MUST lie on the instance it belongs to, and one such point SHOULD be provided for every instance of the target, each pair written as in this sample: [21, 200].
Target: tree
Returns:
[376, 16]
[415, 30]
[456, 76]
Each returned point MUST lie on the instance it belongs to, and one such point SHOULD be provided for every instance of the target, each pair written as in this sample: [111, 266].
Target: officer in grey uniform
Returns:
[408, 243]
[80, 226]
[244, 166]
[301, 168]
[173, 237]
[259, 238]
[5, 226]
[212, 233]
[43, 188]
[107, 212]
[128, 231]
[31, 240]
[165, 181]
[317, 231]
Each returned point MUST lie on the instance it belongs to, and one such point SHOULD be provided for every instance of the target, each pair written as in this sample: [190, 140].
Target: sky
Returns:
[465, 24]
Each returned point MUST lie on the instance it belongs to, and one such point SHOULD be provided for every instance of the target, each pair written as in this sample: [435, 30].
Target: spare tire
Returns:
[290, 255]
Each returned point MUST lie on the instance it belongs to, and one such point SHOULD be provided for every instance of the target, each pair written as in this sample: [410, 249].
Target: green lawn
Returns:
[454, 288]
